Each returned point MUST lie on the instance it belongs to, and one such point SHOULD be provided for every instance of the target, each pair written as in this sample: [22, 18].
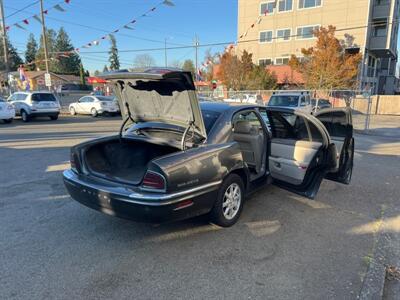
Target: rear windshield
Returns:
[43, 97]
[105, 98]
[209, 118]
[287, 101]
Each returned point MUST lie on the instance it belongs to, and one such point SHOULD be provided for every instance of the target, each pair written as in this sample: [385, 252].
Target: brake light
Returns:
[154, 181]
[74, 161]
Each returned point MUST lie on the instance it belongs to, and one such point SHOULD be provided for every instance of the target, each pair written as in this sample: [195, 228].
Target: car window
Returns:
[335, 122]
[84, 100]
[291, 126]
[101, 98]
[284, 100]
[13, 97]
[248, 115]
[303, 101]
[21, 97]
[39, 97]
[209, 118]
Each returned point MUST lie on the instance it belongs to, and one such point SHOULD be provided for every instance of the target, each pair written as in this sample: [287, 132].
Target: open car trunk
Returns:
[124, 161]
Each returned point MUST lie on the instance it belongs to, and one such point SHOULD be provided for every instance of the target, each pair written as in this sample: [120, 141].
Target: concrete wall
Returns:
[386, 105]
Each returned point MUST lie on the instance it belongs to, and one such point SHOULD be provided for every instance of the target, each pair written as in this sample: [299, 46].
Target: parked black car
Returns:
[175, 158]
[319, 104]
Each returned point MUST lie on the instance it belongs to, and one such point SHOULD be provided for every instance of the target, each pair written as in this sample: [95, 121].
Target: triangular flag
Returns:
[26, 21]
[116, 30]
[7, 27]
[252, 25]
[67, 1]
[36, 17]
[133, 21]
[58, 7]
[127, 27]
[46, 11]
[153, 9]
[259, 20]
[19, 26]
[96, 43]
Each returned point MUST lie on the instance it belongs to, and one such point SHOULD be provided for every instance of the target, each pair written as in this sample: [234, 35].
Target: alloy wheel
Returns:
[231, 201]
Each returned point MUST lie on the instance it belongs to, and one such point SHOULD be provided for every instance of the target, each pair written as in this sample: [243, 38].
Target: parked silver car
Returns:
[35, 104]
[291, 99]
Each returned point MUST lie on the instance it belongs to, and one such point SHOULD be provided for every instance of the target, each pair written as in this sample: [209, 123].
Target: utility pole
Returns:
[165, 53]
[3, 32]
[44, 38]
[196, 46]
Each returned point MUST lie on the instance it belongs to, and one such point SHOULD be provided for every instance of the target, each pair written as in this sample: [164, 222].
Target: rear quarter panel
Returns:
[198, 166]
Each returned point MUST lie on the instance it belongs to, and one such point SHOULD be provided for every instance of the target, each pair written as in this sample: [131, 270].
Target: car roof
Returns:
[33, 92]
[224, 106]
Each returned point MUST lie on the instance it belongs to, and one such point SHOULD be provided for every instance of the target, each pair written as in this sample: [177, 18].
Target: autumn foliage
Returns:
[240, 73]
[327, 65]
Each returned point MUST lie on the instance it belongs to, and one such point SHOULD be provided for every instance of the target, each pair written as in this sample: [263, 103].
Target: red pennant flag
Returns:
[67, 1]
[266, 12]
[7, 27]
[26, 21]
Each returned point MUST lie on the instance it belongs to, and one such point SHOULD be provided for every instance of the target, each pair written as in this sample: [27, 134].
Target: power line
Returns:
[232, 42]
[22, 9]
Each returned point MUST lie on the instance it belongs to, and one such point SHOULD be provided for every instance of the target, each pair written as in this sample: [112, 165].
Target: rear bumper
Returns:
[142, 207]
[44, 113]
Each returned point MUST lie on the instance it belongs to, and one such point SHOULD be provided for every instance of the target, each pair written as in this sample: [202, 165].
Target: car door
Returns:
[89, 104]
[301, 152]
[80, 106]
[338, 122]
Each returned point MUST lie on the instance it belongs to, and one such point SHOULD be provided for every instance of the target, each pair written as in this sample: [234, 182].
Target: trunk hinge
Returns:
[183, 141]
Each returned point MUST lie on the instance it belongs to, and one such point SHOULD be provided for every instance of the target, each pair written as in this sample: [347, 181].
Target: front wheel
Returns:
[8, 121]
[72, 111]
[55, 117]
[229, 204]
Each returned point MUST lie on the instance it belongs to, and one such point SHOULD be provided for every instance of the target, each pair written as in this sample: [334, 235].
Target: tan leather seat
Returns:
[251, 143]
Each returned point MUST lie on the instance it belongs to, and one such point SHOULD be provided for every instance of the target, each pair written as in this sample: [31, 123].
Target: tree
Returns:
[105, 69]
[68, 63]
[40, 63]
[96, 73]
[144, 61]
[82, 74]
[212, 61]
[327, 65]
[31, 52]
[189, 66]
[14, 60]
[260, 78]
[114, 58]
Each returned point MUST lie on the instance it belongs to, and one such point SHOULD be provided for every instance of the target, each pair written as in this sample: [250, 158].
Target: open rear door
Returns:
[338, 123]
[301, 151]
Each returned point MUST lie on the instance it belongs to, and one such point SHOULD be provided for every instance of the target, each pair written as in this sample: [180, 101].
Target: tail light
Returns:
[153, 181]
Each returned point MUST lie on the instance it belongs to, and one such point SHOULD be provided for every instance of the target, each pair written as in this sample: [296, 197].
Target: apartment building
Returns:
[284, 27]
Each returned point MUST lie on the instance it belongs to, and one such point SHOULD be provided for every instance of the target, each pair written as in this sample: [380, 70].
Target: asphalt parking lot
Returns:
[283, 247]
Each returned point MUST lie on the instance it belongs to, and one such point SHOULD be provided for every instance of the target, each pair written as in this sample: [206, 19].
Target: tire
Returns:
[72, 111]
[25, 116]
[94, 112]
[55, 117]
[8, 121]
[227, 210]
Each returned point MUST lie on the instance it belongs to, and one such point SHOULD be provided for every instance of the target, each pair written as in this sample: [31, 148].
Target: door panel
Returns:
[300, 151]
[338, 122]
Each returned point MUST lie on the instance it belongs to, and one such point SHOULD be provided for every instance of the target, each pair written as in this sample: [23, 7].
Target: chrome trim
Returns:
[150, 199]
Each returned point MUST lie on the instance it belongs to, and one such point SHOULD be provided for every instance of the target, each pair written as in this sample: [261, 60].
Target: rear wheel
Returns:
[55, 117]
[8, 120]
[229, 204]
[72, 111]
[24, 116]
[94, 112]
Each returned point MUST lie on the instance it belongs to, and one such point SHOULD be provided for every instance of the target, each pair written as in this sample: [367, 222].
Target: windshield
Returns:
[43, 97]
[284, 100]
[209, 118]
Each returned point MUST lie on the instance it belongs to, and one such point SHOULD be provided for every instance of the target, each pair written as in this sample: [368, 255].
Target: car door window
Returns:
[303, 101]
[21, 97]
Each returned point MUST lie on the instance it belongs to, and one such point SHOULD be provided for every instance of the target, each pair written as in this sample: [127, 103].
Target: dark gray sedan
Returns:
[175, 158]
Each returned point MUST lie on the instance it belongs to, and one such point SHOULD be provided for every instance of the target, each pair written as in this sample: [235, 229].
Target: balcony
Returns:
[379, 46]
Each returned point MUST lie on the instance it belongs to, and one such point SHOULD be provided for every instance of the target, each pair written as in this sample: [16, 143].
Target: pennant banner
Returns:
[26, 21]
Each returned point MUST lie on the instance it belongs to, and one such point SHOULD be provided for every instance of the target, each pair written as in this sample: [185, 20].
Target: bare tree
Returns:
[144, 61]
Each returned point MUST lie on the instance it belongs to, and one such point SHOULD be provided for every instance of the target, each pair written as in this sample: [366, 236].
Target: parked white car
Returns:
[242, 98]
[295, 100]
[35, 104]
[7, 111]
[94, 105]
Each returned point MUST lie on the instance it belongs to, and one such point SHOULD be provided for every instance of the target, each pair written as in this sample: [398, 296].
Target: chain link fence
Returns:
[371, 113]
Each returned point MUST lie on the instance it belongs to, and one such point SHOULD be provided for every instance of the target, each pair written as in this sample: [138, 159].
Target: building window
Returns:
[379, 27]
[309, 3]
[282, 60]
[266, 36]
[381, 2]
[283, 34]
[267, 8]
[371, 66]
[306, 32]
[285, 5]
[265, 62]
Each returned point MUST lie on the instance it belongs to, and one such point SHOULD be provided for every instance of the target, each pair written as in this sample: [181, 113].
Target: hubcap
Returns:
[231, 201]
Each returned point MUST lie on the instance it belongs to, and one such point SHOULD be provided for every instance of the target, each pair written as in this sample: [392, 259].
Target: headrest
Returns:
[242, 127]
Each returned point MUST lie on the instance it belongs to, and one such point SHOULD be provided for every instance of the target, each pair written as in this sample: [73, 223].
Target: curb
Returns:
[374, 282]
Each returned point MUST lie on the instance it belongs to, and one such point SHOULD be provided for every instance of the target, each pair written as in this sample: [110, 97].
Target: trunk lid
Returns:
[158, 95]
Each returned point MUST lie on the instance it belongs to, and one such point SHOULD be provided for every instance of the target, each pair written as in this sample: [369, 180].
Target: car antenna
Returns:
[129, 117]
